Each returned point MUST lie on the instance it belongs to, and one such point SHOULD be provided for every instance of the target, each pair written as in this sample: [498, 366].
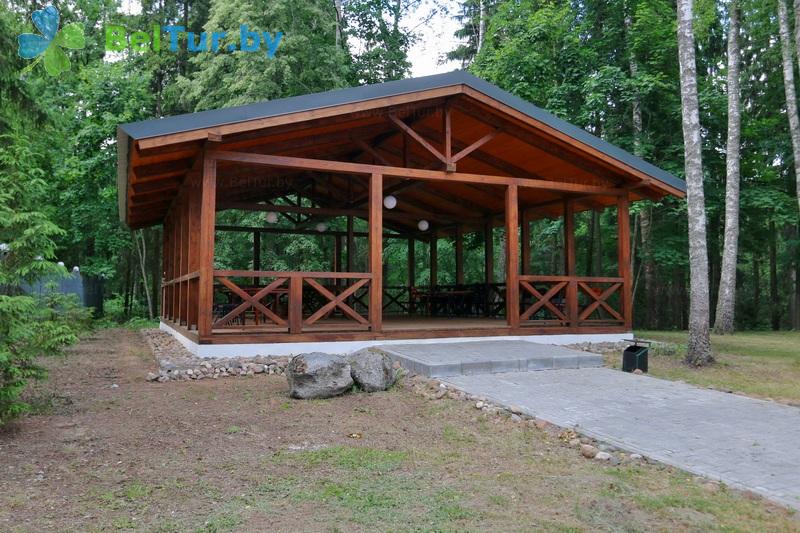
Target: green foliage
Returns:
[307, 60]
[382, 44]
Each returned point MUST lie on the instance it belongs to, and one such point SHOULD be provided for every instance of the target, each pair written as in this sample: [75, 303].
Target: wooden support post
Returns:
[434, 260]
[376, 251]
[569, 262]
[350, 244]
[295, 304]
[256, 254]
[512, 256]
[488, 253]
[208, 212]
[194, 246]
[526, 244]
[165, 267]
[185, 258]
[412, 264]
[624, 258]
[337, 259]
[337, 253]
[459, 249]
[447, 130]
[412, 275]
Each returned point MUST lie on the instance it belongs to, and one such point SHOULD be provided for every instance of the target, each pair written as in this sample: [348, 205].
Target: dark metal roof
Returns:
[218, 117]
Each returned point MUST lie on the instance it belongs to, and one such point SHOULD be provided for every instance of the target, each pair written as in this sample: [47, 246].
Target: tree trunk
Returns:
[337, 4]
[699, 349]
[756, 289]
[645, 216]
[141, 252]
[726, 299]
[155, 269]
[796, 128]
[774, 303]
[481, 24]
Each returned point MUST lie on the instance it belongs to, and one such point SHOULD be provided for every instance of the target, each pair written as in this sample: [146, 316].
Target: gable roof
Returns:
[204, 120]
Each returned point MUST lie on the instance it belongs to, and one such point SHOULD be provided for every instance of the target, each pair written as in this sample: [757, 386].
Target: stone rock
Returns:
[589, 451]
[516, 409]
[541, 424]
[603, 456]
[516, 418]
[318, 375]
[574, 442]
[635, 457]
[479, 404]
[371, 370]
[638, 372]
[151, 376]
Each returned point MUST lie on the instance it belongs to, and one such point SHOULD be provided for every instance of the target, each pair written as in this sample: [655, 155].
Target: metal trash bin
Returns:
[635, 357]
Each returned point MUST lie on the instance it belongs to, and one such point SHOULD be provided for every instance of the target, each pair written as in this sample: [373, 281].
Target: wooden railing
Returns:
[571, 300]
[283, 301]
[179, 299]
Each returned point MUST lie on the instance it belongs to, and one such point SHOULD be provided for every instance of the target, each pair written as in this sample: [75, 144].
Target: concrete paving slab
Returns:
[747, 443]
[486, 357]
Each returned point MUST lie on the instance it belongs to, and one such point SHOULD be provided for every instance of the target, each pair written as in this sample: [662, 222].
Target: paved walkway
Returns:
[442, 359]
[746, 443]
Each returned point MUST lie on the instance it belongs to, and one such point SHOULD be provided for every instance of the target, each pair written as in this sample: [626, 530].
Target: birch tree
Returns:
[795, 127]
[644, 216]
[726, 300]
[699, 348]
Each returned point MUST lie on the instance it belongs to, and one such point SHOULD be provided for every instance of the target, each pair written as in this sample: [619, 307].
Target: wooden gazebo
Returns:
[456, 154]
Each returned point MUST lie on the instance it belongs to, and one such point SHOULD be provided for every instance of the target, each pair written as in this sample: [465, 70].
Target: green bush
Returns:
[31, 327]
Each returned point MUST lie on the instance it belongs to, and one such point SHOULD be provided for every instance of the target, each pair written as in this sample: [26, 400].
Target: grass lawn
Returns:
[761, 364]
[238, 455]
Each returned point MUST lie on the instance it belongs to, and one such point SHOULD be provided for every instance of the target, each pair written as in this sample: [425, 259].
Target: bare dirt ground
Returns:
[237, 455]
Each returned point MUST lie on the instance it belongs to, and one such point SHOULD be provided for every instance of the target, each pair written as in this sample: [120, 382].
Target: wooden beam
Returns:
[459, 250]
[256, 253]
[417, 137]
[624, 258]
[569, 261]
[474, 146]
[295, 304]
[206, 252]
[434, 260]
[526, 244]
[412, 263]
[316, 211]
[376, 252]
[301, 116]
[558, 135]
[341, 167]
[512, 256]
[488, 252]
[303, 231]
[447, 142]
[489, 159]
[351, 242]
[371, 151]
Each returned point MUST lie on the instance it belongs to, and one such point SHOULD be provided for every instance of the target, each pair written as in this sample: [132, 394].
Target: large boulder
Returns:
[318, 375]
[371, 370]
